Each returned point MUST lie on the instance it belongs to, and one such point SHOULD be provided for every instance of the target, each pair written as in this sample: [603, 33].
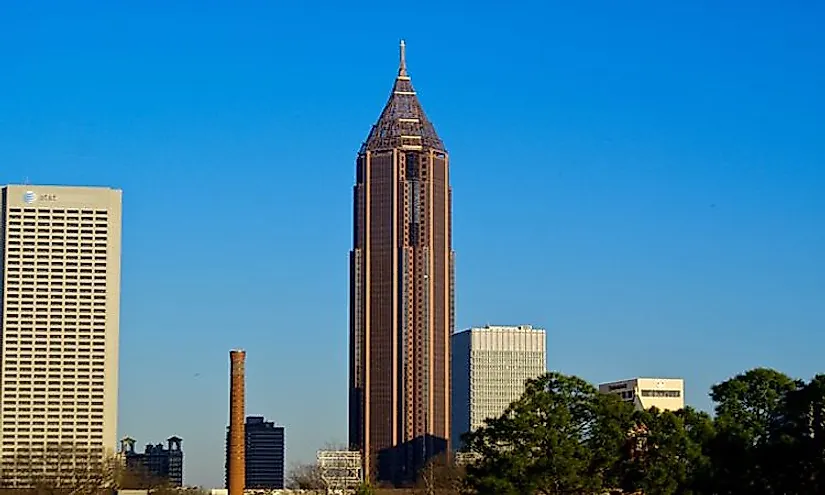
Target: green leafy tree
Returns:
[798, 451]
[560, 437]
[701, 433]
[664, 453]
[750, 412]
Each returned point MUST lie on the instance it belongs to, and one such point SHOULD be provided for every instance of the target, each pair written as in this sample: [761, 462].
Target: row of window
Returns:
[87, 355]
[661, 393]
[67, 401]
[56, 243]
[11, 417]
[30, 210]
[83, 366]
[67, 432]
[58, 266]
[69, 341]
[56, 222]
[68, 353]
[10, 383]
[58, 273]
[29, 296]
[16, 257]
[13, 317]
[55, 249]
[70, 419]
[57, 333]
[68, 311]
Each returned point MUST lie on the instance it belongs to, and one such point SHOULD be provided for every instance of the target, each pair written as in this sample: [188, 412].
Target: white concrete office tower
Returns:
[490, 366]
[666, 394]
[60, 252]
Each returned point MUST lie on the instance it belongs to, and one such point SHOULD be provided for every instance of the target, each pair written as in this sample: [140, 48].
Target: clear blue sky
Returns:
[644, 179]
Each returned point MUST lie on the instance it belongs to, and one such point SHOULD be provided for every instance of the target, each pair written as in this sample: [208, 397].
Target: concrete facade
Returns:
[59, 327]
[666, 394]
[490, 366]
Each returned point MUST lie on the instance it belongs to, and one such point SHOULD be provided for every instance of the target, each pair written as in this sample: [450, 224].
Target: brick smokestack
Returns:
[237, 435]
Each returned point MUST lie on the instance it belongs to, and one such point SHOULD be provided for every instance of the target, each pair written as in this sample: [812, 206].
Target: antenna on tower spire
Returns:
[402, 66]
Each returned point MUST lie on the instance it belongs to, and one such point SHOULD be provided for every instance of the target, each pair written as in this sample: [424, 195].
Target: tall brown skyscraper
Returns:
[401, 291]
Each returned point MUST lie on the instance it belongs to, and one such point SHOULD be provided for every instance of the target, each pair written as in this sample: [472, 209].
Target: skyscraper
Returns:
[401, 291]
[490, 367]
[60, 255]
[264, 455]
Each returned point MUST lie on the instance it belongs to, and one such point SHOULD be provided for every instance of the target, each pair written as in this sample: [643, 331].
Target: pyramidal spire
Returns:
[403, 123]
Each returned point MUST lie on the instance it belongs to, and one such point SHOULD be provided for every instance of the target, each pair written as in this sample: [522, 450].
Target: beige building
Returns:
[60, 252]
[490, 367]
[666, 394]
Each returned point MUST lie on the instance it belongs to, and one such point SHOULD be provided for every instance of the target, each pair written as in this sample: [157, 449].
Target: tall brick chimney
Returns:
[237, 435]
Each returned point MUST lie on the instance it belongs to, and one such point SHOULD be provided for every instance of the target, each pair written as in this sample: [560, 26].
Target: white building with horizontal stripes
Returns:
[490, 366]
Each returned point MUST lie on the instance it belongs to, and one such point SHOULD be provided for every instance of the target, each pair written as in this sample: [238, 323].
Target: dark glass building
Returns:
[264, 454]
[156, 461]
[401, 292]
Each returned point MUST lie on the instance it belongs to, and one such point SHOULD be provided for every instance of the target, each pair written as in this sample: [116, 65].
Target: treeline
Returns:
[562, 436]
[68, 469]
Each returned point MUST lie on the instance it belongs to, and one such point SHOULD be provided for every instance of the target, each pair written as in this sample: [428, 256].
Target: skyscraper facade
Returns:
[490, 367]
[401, 291]
[59, 325]
[264, 455]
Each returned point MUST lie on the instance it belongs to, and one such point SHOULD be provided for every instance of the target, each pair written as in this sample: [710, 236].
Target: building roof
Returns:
[403, 123]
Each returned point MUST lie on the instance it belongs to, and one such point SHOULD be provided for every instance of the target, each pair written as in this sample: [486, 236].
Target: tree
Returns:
[560, 437]
[664, 453]
[304, 477]
[61, 469]
[798, 446]
[440, 476]
[750, 411]
[748, 405]
[67, 469]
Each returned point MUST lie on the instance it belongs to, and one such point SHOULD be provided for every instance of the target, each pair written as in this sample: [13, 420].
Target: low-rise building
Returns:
[665, 394]
[156, 461]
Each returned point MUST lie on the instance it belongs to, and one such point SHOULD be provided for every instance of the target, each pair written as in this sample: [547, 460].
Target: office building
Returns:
[401, 291]
[60, 252]
[156, 463]
[666, 394]
[490, 368]
[264, 455]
